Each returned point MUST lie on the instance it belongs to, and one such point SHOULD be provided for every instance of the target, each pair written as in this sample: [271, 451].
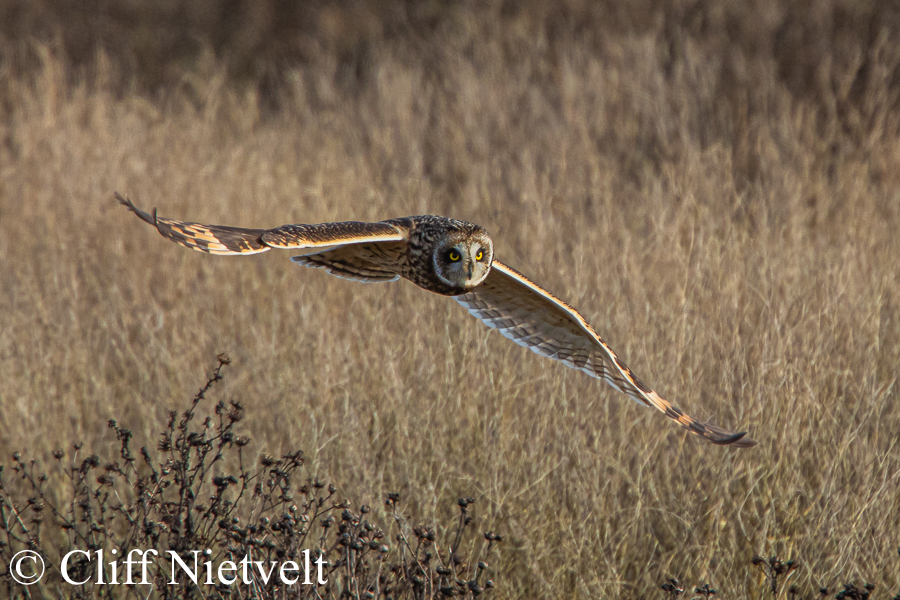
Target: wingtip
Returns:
[738, 440]
[124, 201]
[130, 206]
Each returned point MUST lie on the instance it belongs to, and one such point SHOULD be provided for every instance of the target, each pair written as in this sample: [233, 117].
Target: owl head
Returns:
[463, 259]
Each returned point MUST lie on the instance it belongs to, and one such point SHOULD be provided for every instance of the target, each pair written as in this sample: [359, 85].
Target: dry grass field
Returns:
[728, 226]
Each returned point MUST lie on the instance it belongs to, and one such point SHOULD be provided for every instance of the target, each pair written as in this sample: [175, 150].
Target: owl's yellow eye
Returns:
[453, 256]
[480, 255]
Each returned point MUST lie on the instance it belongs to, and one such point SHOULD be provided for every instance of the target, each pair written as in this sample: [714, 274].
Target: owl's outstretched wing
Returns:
[534, 318]
[367, 252]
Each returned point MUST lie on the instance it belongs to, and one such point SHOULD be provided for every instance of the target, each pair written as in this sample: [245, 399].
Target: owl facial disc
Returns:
[463, 262]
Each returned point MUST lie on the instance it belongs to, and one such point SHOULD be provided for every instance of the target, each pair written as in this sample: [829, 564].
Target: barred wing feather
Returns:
[534, 318]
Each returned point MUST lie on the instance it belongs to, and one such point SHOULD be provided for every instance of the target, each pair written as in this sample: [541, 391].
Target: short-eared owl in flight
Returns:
[453, 258]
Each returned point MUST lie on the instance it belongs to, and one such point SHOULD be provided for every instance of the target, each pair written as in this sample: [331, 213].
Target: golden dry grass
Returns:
[739, 252]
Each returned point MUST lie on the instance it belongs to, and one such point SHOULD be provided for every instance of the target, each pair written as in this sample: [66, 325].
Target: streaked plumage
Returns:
[453, 258]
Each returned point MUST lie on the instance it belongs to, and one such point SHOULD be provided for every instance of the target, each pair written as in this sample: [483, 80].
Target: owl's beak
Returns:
[470, 268]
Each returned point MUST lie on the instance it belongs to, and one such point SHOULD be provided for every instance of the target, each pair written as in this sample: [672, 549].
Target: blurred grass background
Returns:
[715, 185]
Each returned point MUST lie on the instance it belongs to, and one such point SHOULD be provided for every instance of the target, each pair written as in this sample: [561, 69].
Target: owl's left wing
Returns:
[534, 318]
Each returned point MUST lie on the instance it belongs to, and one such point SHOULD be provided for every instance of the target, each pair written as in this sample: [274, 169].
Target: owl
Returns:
[452, 258]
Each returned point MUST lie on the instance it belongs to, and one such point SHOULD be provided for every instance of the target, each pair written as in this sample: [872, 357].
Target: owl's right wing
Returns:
[534, 318]
[367, 252]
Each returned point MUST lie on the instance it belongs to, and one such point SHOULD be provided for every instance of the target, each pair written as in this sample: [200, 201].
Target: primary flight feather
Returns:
[453, 258]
